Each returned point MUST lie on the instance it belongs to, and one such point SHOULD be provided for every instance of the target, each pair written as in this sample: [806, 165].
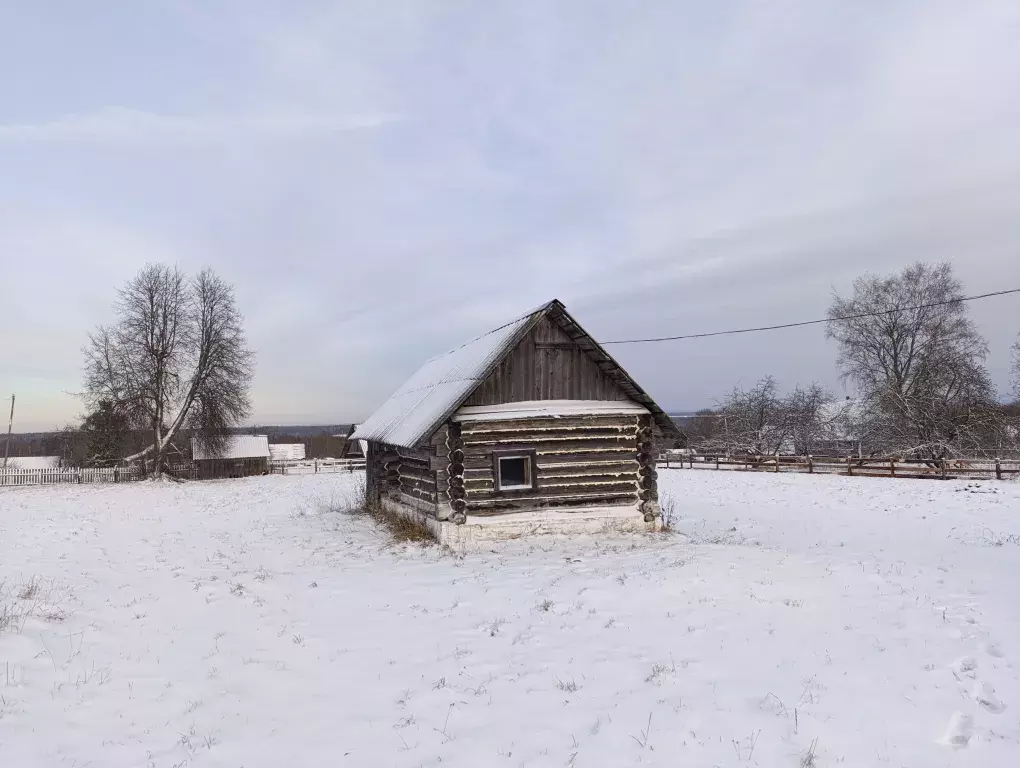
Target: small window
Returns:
[514, 472]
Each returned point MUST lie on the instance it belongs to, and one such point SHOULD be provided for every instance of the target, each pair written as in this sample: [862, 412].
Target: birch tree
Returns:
[176, 357]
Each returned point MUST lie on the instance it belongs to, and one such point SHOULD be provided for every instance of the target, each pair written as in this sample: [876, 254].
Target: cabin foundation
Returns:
[592, 521]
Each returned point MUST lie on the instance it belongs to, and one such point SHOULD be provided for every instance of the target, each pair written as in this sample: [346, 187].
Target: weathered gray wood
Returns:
[609, 489]
[561, 370]
[504, 505]
[615, 421]
[546, 446]
[621, 454]
[545, 457]
[557, 435]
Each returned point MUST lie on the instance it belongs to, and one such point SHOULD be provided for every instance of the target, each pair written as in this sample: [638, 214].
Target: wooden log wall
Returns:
[648, 478]
[581, 461]
[416, 481]
[441, 471]
[373, 474]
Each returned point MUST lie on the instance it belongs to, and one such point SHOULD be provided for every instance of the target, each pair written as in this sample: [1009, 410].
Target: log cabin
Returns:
[532, 425]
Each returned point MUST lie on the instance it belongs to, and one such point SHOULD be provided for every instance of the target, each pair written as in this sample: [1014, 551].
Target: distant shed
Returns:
[353, 449]
[242, 456]
[532, 426]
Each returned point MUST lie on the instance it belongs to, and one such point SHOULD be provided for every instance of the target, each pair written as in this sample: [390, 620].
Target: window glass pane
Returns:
[513, 471]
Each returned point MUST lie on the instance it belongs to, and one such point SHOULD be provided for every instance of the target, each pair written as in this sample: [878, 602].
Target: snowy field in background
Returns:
[235, 623]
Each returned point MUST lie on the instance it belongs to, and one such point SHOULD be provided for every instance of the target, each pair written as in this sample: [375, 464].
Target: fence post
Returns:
[892, 467]
[942, 462]
[116, 474]
[316, 467]
[810, 466]
[849, 468]
[717, 461]
[998, 469]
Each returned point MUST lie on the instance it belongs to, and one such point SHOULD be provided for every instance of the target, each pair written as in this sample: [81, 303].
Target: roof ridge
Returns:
[541, 308]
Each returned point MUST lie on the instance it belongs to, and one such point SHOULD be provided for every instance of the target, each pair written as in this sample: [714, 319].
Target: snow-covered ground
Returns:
[236, 623]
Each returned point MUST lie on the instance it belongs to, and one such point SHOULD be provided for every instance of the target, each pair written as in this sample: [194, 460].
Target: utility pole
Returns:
[10, 423]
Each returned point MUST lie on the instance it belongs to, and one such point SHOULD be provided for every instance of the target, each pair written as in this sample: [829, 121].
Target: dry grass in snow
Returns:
[794, 620]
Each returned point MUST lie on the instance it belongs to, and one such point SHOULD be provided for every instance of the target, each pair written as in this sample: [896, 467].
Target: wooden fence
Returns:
[999, 469]
[51, 476]
[316, 466]
[184, 471]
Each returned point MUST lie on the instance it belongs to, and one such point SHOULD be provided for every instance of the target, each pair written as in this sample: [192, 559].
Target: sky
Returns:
[381, 181]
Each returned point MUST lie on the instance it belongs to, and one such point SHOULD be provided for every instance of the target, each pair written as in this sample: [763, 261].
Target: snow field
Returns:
[801, 620]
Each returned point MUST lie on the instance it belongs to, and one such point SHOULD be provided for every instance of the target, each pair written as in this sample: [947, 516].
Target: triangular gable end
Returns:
[544, 355]
[546, 364]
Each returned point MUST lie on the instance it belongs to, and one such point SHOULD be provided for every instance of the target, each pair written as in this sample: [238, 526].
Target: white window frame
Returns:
[529, 471]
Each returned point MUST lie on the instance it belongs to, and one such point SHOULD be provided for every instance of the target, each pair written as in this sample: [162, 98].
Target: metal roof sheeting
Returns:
[427, 399]
[237, 447]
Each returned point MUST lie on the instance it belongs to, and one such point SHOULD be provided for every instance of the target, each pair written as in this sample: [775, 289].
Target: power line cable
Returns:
[810, 322]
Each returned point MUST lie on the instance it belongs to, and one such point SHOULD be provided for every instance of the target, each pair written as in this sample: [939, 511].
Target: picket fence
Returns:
[52, 476]
[185, 470]
[316, 466]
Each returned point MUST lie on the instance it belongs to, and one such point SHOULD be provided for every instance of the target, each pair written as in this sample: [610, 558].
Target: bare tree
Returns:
[703, 427]
[906, 342]
[175, 357]
[761, 421]
[1016, 370]
[806, 412]
[752, 420]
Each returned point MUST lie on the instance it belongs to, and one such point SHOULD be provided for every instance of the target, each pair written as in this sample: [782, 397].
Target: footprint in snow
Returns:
[965, 666]
[994, 650]
[959, 730]
[984, 695]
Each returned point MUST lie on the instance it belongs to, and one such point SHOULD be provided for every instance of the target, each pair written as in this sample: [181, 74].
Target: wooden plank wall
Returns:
[546, 365]
[581, 461]
[213, 469]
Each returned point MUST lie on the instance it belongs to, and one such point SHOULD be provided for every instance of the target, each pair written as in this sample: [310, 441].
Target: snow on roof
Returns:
[31, 462]
[546, 408]
[417, 409]
[237, 447]
[842, 417]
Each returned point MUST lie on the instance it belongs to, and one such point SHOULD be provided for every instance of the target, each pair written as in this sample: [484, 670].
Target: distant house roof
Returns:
[843, 418]
[287, 451]
[431, 396]
[31, 462]
[237, 447]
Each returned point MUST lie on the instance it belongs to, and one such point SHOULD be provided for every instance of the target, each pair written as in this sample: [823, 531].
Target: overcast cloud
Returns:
[381, 181]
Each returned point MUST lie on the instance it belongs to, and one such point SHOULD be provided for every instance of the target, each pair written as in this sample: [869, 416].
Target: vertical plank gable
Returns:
[546, 365]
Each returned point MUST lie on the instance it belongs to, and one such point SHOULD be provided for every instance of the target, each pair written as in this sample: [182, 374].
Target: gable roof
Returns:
[432, 395]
